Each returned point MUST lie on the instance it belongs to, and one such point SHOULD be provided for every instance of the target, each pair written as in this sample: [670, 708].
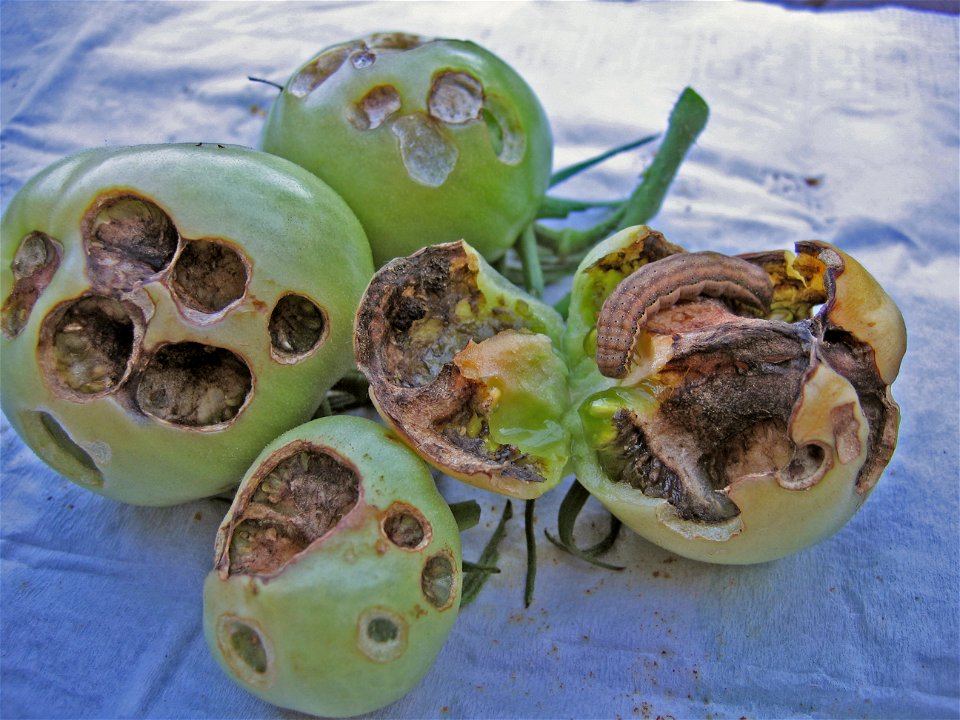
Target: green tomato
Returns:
[338, 571]
[466, 368]
[169, 309]
[722, 435]
[428, 140]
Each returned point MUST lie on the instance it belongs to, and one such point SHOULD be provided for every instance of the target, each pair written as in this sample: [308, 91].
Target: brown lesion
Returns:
[320, 69]
[468, 432]
[297, 326]
[193, 385]
[723, 392]
[438, 580]
[33, 266]
[854, 360]
[798, 286]
[406, 527]
[88, 347]
[209, 275]
[128, 240]
[295, 498]
[376, 107]
[455, 97]
[730, 387]
[419, 312]
[608, 272]
[361, 53]
[417, 315]
[395, 41]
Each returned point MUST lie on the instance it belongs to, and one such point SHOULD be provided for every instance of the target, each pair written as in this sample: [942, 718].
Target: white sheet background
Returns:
[101, 603]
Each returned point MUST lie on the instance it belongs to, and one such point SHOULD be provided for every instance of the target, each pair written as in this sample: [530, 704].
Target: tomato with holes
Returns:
[731, 409]
[169, 309]
[428, 140]
[337, 572]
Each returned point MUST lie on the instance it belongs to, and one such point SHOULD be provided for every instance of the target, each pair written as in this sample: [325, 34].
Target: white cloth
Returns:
[839, 125]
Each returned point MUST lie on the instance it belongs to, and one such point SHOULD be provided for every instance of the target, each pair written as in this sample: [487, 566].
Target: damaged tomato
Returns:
[465, 366]
[167, 310]
[428, 140]
[731, 409]
[337, 571]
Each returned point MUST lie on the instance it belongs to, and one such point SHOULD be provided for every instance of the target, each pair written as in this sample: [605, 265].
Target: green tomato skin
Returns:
[533, 385]
[295, 236]
[484, 200]
[311, 613]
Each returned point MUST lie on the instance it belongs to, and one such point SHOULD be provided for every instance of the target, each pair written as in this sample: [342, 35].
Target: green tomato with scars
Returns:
[428, 140]
[337, 572]
[170, 309]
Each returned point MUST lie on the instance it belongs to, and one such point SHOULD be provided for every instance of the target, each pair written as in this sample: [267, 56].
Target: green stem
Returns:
[473, 583]
[528, 523]
[568, 172]
[355, 383]
[570, 508]
[466, 513]
[687, 120]
[530, 260]
[554, 207]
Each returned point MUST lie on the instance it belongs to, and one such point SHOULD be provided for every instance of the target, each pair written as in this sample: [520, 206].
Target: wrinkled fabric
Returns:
[838, 125]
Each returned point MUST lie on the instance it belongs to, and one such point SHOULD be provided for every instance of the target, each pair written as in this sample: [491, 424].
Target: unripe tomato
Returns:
[428, 140]
[169, 309]
[338, 571]
[730, 409]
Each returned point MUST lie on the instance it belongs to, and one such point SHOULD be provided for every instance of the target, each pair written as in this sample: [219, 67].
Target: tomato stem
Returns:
[466, 513]
[570, 508]
[571, 170]
[528, 525]
[473, 582]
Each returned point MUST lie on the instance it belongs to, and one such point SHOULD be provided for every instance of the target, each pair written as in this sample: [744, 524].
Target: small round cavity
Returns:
[194, 385]
[244, 648]
[382, 630]
[406, 527]
[806, 467]
[437, 580]
[33, 266]
[35, 252]
[208, 276]
[455, 98]
[363, 58]
[128, 240]
[297, 327]
[381, 635]
[87, 346]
